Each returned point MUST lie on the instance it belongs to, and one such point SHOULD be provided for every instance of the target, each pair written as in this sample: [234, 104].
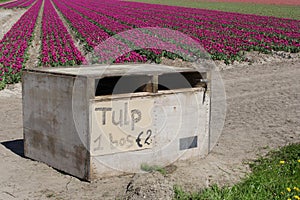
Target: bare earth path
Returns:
[263, 112]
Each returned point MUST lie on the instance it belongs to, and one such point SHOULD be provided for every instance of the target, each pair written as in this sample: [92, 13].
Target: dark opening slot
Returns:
[179, 80]
[147, 83]
[188, 143]
[121, 84]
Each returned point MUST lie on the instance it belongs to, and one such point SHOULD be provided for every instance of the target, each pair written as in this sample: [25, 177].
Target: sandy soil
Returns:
[262, 113]
[35, 46]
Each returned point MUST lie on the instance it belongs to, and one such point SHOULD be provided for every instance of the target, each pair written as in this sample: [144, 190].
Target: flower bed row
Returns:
[91, 35]
[161, 37]
[12, 4]
[14, 45]
[18, 4]
[58, 48]
[223, 35]
[27, 3]
[167, 37]
[141, 43]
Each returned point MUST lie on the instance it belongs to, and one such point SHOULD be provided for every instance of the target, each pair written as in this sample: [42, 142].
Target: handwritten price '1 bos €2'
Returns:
[122, 118]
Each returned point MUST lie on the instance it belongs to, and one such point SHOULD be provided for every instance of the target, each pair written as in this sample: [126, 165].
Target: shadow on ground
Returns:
[16, 146]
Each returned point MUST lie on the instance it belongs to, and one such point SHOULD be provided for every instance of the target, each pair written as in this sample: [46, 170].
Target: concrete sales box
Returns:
[100, 121]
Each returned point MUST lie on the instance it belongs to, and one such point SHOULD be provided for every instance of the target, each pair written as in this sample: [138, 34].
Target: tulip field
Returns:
[224, 35]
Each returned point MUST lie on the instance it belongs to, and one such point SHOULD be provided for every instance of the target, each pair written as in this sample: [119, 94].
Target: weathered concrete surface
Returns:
[50, 133]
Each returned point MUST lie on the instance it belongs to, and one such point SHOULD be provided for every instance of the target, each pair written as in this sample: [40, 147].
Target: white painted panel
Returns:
[174, 117]
[121, 125]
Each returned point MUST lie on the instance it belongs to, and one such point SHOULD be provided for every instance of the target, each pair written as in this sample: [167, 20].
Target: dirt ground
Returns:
[263, 100]
[263, 113]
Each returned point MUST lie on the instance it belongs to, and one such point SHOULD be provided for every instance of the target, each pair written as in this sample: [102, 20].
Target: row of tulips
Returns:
[161, 38]
[92, 34]
[140, 42]
[58, 48]
[27, 3]
[169, 41]
[223, 35]
[214, 17]
[14, 46]
[12, 4]
[18, 3]
[89, 34]
[218, 20]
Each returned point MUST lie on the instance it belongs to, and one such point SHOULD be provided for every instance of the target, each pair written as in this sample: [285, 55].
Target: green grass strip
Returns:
[4, 1]
[276, 176]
